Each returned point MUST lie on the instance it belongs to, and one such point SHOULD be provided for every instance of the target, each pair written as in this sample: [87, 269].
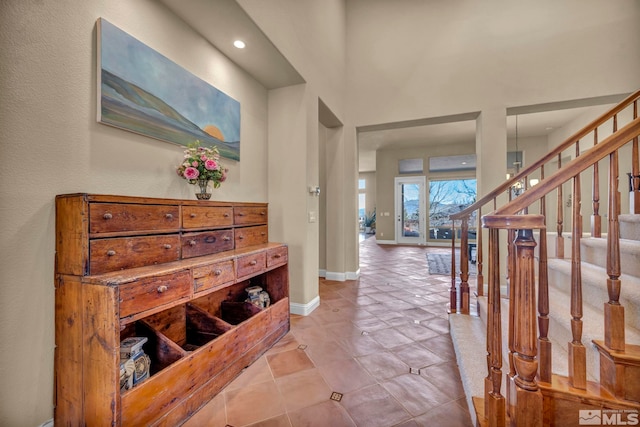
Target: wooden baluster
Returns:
[464, 266]
[596, 219]
[613, 312]
[479, 275]
[494, 401]
[544, 344]
[559, 217]
[527, 408]
[635, 169]
[510, 284]
[577, 351]
[453, 295]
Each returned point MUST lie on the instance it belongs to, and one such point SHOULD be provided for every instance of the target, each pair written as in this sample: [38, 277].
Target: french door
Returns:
[410, 210]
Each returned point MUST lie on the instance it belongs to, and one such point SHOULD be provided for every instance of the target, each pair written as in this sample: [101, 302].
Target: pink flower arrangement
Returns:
[202, 163]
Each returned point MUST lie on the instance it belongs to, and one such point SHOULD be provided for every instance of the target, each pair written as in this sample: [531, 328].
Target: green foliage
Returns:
[370, 219]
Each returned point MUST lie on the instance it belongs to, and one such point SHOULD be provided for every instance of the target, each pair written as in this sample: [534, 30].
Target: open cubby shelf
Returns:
[174, 272]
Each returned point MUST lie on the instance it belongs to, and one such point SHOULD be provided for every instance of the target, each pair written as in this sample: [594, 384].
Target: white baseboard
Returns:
[304, 309]
[322, 273]
[338, 277]
[386, 242]
[353, 275]
[341, 277]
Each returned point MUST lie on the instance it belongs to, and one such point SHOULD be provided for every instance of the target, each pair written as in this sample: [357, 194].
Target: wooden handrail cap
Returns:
[514, 222]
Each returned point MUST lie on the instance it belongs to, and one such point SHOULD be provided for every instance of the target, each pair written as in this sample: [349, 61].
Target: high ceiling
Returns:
[266, 64]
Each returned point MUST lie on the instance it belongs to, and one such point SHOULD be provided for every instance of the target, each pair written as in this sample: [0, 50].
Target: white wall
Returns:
[50, 143]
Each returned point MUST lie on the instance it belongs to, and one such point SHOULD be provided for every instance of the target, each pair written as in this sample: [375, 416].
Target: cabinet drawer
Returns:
[245, 215]
[202, 216]
[145, 294]
[276, 256]
[206, 243]
[213, 276]
[251, 264]
[128, 252]
[111, 217]
[249, 236]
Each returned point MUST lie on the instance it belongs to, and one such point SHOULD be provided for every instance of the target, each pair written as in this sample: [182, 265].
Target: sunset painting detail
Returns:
[144, 92]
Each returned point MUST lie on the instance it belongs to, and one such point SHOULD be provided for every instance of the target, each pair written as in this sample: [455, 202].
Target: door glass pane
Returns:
[410, 210]
[447, 198]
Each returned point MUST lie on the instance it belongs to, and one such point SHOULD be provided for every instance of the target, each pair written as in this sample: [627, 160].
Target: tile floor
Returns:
[376, 353]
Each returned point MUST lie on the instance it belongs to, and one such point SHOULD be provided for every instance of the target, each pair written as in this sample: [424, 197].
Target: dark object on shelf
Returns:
[131, 352]
[258, 297]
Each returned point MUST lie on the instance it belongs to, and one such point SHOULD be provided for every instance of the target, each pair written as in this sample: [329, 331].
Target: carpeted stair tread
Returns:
[469, 340]
[594, 287]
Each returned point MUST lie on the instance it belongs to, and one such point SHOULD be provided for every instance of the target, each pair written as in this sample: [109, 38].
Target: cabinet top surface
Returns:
[106, 198]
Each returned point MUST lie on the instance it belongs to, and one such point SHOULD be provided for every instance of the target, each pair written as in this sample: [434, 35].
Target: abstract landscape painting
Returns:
[142, 91]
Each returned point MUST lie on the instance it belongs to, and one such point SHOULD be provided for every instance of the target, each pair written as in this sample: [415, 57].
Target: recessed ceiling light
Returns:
[239, 44]
[549, 128]
[463, 163]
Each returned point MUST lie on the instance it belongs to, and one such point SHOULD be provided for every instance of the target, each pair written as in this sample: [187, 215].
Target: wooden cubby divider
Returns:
[174, 272]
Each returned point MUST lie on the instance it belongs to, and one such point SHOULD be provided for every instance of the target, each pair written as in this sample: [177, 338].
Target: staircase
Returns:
[558, 342]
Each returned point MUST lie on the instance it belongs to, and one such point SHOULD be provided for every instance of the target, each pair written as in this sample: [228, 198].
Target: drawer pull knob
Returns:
[263, 234]
[226, 215]
[217, 272]
[107, 216]
[254, 262]
[169, 216]
[192, 242]
[167, 246]
[277, 256]
[241, 214]
[226, 238]
[192, 215]
[241, 237]
[263, 213]
[162, 289]
[111, 252]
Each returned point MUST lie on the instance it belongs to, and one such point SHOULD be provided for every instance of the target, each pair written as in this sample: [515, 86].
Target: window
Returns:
[362, 201]
[447, 197]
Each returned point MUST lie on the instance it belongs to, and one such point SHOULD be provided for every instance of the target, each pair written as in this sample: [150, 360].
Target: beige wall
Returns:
[50, 143]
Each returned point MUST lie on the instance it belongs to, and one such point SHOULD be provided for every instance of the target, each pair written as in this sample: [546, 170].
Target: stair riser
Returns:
[595, 252]
[595, 294]
[630, 227]
[560, 330]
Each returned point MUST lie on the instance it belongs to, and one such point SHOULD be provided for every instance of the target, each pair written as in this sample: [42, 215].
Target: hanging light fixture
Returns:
[518, 186]
[517, 163]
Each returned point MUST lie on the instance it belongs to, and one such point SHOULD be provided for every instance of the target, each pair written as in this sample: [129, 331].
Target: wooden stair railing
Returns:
[461, 297]
[530, 376]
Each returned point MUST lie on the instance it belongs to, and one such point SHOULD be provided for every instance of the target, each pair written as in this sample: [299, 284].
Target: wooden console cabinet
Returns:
[175, 272]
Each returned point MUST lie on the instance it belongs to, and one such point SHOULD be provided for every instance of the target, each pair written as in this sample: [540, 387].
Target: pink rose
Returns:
[194, 163]
[191, 173]
[210, 165]
[203, 158]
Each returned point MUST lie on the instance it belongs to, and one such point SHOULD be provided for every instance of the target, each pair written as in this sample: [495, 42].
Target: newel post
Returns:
[526, 393]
